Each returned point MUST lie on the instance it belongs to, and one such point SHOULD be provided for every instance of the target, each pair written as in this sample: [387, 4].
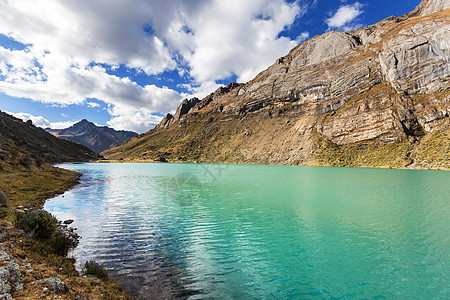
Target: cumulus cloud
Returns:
[92, 104]
[42, 122]
[302, 37]
[249, 45]
[70, 45]
[345, 17]
[135, 120]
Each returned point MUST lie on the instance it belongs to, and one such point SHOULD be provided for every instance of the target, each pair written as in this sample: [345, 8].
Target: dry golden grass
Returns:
[434, 151]
[35, 184]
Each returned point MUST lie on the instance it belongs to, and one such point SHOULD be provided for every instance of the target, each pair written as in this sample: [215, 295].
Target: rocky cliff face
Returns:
[97, 138]
[376, 96]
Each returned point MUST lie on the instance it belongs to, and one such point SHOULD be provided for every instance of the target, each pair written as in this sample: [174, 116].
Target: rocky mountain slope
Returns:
[97, 138]
[377, 96]
[25, 143]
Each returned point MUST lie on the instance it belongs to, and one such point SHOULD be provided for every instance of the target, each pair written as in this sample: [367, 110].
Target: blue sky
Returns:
[126, 64]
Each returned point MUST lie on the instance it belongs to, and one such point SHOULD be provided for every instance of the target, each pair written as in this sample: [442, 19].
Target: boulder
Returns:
[55, 285]
[10, 280]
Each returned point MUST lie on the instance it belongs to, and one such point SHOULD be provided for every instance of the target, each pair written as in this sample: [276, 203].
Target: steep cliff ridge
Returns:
[97, 138]
[369, 97]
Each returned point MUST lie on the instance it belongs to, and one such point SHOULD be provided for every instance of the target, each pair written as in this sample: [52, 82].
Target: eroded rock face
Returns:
[321, 48]
[431, 6]
[417, 58]
[165, 122]
[184, 108]
[386, 83]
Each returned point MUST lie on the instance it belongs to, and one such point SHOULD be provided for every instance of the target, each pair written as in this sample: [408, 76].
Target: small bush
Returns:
[6, 146]
[25, 161]
[4, 234]
[60, 243]
[3, 212]
[4, 155]
[3, 198]
[40, 223]
[14, 154]
[38, 161]
[93, 268]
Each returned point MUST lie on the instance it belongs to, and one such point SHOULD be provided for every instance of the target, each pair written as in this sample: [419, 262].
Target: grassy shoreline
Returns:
[410, 167]
[29, 188]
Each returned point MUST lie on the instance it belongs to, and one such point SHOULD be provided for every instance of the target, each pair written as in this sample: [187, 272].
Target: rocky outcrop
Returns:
[184, 108]
[385, 84]
[165, 122]
[427, 7]
[54, 284]
[10, 277]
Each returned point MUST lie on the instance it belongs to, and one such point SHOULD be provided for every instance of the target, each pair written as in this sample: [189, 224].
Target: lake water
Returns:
[267, 232]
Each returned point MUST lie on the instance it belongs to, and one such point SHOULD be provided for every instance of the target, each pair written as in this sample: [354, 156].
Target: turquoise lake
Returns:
[213, 231]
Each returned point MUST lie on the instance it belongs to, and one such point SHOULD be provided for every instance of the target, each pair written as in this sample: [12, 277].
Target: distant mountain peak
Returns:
[97, 138]
[33, 142]
[84, 122]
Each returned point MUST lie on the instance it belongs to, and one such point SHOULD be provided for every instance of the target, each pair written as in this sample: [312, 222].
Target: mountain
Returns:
[27, 144]
[378, 96]
[97, 138]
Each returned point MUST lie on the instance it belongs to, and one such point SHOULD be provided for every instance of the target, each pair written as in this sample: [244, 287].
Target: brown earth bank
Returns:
[378, 96]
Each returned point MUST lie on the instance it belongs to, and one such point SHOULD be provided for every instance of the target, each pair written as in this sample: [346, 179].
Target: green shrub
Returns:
[14, 154]
[40, 223]
[6, 146]
[38, 161]
[3, 212]
[93, 268]
[60, 243]
[3, 198]
[45, 227]
[4, 155]
[25, 161]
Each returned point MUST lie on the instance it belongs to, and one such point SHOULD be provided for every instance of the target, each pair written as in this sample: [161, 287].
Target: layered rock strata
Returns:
[341, 98]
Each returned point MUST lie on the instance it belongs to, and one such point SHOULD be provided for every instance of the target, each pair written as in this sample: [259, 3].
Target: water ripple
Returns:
[173, 231]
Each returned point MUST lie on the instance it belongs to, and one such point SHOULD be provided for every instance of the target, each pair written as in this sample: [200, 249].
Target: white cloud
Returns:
[225, 41]
[135, 120]
[93, 104]
[345, 17]
[42, 122]
[302, 37]
[206, 40]
[206, 88]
